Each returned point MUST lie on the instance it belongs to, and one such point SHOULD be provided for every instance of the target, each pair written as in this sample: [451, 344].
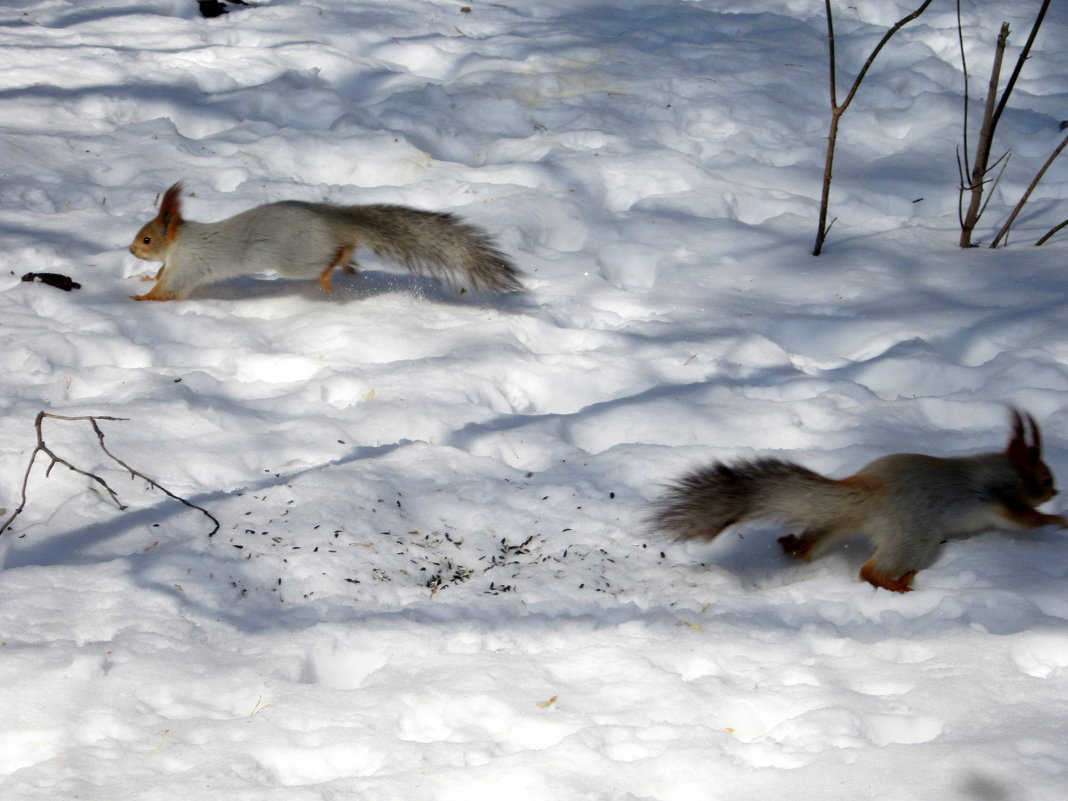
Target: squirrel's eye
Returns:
[147, 240]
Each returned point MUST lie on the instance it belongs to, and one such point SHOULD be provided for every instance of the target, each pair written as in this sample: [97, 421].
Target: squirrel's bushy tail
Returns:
[436, 244]
[706, 501]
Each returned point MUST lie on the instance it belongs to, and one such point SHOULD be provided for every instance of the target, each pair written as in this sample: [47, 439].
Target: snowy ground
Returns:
[432, 580]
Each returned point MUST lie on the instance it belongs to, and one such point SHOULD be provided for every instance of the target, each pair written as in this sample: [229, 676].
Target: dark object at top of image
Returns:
[216, 8]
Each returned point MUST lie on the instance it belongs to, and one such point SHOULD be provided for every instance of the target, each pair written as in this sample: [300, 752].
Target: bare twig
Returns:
[1027, 194]
[837, 110]
[1051, 232]
[1004, 157]
[831, 57]
[156, 484]
[965, 168]
[981, 167]
[93, 420]
[1024, 55]
[974, 180]
[962, 166]
[43, 448]
[901, 23]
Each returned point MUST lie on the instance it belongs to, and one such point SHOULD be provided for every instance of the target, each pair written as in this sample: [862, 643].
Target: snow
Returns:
[433, 579]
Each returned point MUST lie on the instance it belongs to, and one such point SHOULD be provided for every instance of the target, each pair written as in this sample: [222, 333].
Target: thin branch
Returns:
[901, 23]
[93, 420]
[986, 132]
[1027, 194]
[56, 459]
[1024, 54]
[830, 55]
[995, 182]
[152, 482]
[967, 169]
[1051, 232]
[982, 151]
[825, 192]
[992, 115]
[961, 167]
[837, 110]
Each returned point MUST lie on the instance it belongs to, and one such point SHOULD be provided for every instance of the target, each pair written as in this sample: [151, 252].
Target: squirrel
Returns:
[907, 504]
[310, 240]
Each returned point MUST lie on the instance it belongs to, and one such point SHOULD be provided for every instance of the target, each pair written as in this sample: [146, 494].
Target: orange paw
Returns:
[155, 293]
[879, 579]
[343, 261]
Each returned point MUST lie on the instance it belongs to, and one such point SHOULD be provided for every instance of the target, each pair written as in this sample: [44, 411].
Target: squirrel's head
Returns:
[156, 237]
[1026, 457]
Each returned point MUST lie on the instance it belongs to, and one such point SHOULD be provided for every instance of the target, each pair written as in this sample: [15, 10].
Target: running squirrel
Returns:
[907, 504]
[311, 240]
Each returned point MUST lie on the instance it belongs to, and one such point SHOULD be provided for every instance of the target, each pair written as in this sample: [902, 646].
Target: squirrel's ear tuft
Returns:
[1017, 447]
[1019, 450]
[1017, 423]
[170, 208]
[1036, 436]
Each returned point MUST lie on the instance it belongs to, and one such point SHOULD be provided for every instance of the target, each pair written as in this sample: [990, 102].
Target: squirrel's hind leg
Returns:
[342, 259]
[878, 578]
[800, 546]
[811, 542]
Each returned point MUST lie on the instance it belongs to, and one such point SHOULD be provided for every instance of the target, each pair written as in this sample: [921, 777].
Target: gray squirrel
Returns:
[907, 504]
[311, 240]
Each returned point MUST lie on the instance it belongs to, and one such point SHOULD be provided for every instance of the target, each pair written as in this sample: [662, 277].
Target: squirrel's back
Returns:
[291, 238]
[950, 497]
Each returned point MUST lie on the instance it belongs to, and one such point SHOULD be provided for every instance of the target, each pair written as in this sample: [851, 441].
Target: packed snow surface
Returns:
[433, 578]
